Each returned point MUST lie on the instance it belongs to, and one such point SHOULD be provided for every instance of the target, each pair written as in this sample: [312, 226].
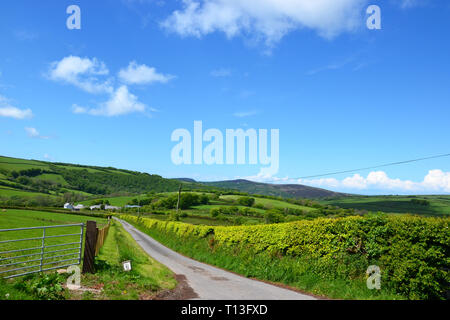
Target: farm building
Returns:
[68, 206]
[108, 207]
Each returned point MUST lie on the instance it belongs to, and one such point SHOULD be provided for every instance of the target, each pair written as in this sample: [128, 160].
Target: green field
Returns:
[10, 192]
[114, 201]
[270, 203]
[13, 219]
[147, 278]
[52, 178]
[439, 205]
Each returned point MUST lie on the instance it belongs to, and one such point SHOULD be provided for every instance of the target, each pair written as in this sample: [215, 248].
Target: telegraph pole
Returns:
[178, 202]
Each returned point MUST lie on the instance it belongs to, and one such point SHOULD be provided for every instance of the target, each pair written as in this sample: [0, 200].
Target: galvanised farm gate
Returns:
[42, 249]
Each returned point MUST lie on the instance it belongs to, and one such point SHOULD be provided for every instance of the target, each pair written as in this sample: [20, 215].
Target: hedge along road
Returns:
[208, 282]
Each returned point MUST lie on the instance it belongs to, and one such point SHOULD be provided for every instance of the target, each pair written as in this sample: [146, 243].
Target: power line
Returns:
[374, 167]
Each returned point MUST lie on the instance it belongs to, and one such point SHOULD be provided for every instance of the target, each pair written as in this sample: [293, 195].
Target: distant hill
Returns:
[185, 180]
[279, 190]
[54, 179]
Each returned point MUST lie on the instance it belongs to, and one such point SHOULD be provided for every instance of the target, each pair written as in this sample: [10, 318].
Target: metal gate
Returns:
[41, 256]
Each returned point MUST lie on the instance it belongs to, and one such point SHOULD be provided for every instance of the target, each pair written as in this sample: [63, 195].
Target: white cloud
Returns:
[142, 74]
[33, 133]
[78, 110]
[84, 73]
[9, 111]
[221, 73]
[436, 181]
[81, 72]
[269, 20]
[121, 102]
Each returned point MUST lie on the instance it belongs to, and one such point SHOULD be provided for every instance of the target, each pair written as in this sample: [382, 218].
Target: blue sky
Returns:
[341, 95]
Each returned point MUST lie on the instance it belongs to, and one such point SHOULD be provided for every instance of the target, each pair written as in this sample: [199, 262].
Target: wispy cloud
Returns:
[34, 133]
[142, 74]
[10, 111]
[332, 66]
[405, 4]
[244, 114]
[26, 35]
[218, 73]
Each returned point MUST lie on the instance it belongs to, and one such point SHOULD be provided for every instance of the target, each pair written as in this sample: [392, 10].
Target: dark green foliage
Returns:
[43, 286]
[420, 202]
[412, 252]
[273, 216]
[187, 200]
[246, 201]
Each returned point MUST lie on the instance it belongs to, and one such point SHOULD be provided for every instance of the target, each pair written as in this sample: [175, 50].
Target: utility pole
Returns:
[178, 202]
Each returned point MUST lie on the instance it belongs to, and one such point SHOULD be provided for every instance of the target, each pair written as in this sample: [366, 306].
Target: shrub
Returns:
[412, 252]
[246, 201]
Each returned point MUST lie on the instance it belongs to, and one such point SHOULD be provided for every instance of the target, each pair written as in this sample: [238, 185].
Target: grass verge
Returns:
[307, 275]
[144, 281]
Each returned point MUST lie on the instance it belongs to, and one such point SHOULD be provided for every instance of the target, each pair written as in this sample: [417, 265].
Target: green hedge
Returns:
[412, 252]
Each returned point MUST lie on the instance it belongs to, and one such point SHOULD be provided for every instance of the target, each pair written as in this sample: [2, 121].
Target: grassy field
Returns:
[114, 201]
[9, 192]
[270, 203]
[13, 219]
[439, 204]
[146, 280]
[20, 164]
[52, 178]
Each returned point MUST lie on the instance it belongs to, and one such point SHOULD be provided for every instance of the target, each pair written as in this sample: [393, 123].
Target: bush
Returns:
[246, 201]
[412, 252]
[43, 286]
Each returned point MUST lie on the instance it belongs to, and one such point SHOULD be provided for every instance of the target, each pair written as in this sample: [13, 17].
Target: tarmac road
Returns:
[208, 282]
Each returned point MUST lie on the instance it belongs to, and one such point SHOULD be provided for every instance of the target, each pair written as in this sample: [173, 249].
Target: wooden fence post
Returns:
[89, 247]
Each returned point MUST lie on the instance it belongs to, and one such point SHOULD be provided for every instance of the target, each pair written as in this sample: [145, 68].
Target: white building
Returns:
[108, 207]
[96, 207]
[79, 207]
[68, 206]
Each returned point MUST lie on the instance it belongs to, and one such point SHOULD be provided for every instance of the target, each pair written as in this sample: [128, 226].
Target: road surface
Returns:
[208, 282]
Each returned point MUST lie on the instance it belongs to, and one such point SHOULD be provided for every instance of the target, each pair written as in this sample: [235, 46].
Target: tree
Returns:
[246, 201]
[273, 216]
[214, 212]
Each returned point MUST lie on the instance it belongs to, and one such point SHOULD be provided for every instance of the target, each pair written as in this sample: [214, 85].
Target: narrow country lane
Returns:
[209, 282]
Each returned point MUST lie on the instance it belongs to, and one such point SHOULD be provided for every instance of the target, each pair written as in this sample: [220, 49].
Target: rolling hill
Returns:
[278, 190]
[30, 177]
[19, 176]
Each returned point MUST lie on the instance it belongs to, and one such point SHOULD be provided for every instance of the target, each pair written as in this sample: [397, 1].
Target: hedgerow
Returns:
[412, 252]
